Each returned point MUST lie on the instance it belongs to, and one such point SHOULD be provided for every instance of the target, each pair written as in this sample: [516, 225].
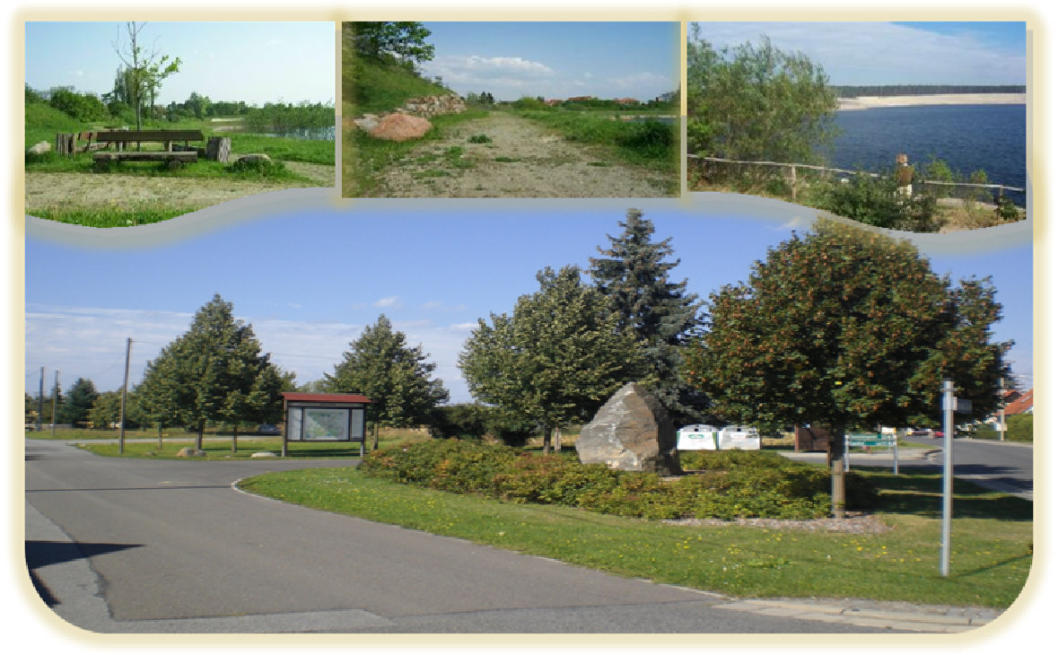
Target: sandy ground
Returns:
[872, 102]
[533, 163]
[90, 191]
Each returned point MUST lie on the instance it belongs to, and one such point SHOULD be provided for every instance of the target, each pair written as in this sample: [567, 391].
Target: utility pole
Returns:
[54, 399]
[1002, 409]
[124, 392]
[40, 402]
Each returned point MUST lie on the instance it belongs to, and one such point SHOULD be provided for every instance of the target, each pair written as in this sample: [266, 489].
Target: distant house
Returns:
[552, 102]
[1022, 404]
[580, 99]
[627, 101]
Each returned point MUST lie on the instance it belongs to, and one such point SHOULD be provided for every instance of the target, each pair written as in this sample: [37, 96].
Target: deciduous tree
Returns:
[846, 328]
[144, 71]
[213, 372]
[556, 358]
[756, 102]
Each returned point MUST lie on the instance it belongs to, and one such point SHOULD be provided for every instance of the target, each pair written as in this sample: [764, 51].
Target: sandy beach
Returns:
[872, 102]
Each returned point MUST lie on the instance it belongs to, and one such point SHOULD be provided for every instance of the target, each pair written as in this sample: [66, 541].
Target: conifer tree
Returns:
[396, 377]
[634, 274]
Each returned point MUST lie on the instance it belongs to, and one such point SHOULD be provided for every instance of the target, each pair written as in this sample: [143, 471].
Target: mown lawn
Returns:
[991, 539]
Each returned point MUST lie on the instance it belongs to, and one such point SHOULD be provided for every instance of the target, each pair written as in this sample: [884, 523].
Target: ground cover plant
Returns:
[1019, 428]
[991, 539]
[726, 485]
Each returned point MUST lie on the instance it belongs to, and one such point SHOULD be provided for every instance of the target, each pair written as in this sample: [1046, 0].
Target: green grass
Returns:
[651, 144]
[218, 449]
[1019, 428]
[112, 217]
[370, 87]
[991, 539]
[364, 158]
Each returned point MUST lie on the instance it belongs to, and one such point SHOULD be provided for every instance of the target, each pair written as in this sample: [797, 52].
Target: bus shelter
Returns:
[313, 417]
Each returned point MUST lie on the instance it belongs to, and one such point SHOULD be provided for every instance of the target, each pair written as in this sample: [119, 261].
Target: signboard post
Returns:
[949, 404]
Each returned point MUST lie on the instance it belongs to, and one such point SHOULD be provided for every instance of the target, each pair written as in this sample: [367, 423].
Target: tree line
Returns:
[840, 328]
[852, 91]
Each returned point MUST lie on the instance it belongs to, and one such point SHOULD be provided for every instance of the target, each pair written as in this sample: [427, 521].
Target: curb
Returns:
[901, 617]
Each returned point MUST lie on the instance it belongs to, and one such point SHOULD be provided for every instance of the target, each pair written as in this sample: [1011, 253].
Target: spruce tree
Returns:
[634, 274]
[78, 402]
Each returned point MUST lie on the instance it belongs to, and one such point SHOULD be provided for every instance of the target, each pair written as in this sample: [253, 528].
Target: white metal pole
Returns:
[947, 410]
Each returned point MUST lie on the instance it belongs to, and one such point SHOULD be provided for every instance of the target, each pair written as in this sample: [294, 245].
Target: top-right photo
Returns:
[916, 126]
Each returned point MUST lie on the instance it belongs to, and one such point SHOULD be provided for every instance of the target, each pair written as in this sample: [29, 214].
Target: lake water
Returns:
[967, 137]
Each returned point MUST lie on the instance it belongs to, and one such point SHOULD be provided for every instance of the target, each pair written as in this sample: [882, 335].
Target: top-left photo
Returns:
[128, 123]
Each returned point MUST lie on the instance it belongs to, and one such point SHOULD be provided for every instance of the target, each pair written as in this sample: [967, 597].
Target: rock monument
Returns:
[631, 432]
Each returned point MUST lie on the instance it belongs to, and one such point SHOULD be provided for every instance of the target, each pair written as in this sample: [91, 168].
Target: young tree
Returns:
[846, 328]
[556, 359]
[144, 71]
[106, 410]
[634, 274]
[756, 103]
[213, 372]
[396, 377]
[78, 402]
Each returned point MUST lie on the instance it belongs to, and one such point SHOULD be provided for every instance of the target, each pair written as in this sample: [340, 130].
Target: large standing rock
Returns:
[631, 432]
[40, 148]
[400, 127]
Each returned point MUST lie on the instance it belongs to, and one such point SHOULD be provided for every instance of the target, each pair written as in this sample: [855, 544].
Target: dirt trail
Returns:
[521, 159]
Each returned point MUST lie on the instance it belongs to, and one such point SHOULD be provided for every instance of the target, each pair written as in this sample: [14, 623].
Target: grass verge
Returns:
[991, 539]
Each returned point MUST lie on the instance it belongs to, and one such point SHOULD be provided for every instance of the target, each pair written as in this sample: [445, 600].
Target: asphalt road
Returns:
[169, 546]
[1003, 466]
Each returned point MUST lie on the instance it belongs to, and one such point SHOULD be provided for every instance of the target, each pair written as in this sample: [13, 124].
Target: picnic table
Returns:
[122, 138]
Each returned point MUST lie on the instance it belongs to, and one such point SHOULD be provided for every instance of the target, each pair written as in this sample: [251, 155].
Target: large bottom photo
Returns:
[723, 415]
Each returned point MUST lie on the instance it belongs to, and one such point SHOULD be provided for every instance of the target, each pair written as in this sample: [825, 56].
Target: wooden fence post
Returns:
[793, 182]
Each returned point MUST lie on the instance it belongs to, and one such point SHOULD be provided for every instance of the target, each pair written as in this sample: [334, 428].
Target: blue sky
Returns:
[310, 282]
[557, 59]
[893, 53]
[256, 62]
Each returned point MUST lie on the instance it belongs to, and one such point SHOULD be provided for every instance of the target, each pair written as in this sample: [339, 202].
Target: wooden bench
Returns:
[121, 138]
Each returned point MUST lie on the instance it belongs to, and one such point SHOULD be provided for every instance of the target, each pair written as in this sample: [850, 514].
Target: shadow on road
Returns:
[43, 553]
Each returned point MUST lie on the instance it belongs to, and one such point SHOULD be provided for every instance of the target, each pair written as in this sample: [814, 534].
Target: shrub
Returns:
[258, 168]
[480, 138]
[731, 483]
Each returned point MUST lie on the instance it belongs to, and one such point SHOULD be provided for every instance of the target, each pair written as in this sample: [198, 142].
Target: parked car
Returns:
[268, 428]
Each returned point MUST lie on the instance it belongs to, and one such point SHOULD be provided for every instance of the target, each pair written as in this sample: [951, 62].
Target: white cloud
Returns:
[389, 301]
[89, 342]
[880, 53]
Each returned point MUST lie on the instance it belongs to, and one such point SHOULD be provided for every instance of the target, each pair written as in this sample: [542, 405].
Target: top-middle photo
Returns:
[510, 109]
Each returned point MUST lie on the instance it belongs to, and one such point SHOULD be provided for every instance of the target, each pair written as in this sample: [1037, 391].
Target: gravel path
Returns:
[520, 160]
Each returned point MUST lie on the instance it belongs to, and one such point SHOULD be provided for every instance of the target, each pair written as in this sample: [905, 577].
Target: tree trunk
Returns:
[558, 439]
[547, 439]
[374, 446]
[198, 438]
[836, 462]
[159, 436]
[234, 438]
